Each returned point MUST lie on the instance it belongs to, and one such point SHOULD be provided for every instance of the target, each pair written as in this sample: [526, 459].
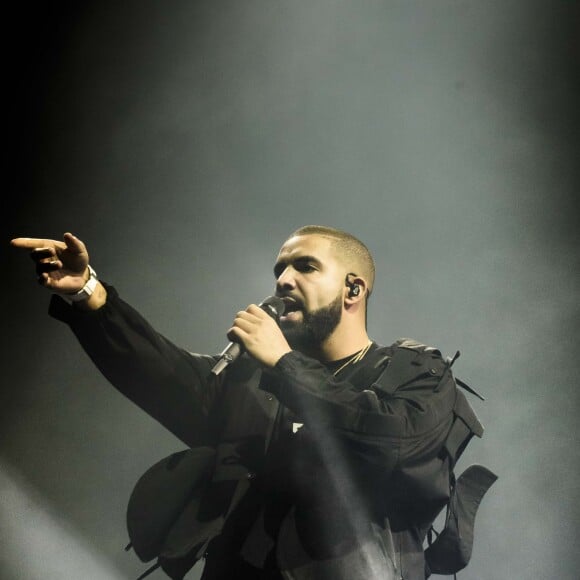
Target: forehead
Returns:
[310, 245]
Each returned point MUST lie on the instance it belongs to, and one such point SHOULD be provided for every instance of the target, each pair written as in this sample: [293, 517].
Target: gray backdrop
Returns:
[183, 141]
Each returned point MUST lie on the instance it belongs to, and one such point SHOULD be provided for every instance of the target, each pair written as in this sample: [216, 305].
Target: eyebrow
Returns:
[280, 266]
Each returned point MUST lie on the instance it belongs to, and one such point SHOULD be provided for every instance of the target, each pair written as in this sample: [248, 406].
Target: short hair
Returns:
[348, 246]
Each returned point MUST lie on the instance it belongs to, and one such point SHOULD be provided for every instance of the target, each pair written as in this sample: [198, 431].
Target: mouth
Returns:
[292, 309]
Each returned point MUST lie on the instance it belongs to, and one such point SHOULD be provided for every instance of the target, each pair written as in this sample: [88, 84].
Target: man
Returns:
[318, 455]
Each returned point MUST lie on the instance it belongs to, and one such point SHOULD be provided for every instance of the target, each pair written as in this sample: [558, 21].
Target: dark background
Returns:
[183, 141]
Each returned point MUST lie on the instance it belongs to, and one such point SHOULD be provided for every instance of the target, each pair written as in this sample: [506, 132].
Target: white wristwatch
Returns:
[86, 290]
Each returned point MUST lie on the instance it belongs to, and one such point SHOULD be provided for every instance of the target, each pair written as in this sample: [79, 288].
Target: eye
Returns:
[302, 265]
[305, 267]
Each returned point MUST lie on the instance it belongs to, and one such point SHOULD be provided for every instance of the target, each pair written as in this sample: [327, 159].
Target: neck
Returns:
[342, 343]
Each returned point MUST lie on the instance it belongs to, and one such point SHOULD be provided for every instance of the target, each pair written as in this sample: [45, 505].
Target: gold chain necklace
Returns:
[356, 357]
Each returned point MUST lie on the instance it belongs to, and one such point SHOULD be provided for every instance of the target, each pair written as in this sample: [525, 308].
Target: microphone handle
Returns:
[274, 307]
[228, 356]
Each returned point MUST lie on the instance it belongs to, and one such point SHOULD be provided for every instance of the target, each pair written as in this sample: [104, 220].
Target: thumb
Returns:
[73, 244]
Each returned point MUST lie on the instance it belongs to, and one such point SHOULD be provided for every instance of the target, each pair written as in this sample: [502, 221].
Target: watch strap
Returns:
[86, 290]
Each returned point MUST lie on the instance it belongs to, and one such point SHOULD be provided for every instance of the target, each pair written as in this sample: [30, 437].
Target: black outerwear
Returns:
[349, 495]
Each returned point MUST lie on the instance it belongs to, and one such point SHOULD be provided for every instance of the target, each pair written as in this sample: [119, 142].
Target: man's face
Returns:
[310, 279]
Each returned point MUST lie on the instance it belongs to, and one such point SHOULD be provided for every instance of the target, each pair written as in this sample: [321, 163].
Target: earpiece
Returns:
[354, 288]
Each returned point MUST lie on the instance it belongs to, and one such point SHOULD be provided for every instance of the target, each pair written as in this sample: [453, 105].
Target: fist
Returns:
[259, 334]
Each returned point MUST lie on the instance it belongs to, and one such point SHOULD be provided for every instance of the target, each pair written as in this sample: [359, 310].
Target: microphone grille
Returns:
[274, 306]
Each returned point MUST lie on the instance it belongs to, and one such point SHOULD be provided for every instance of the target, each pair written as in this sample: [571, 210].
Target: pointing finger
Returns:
[34, 243]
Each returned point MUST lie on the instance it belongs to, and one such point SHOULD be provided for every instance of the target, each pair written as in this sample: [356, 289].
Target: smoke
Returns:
[184, 144]
[41, 543]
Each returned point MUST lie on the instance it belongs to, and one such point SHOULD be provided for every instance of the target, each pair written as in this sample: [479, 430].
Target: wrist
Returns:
[97, 299]
[86, 291]
[275, 359]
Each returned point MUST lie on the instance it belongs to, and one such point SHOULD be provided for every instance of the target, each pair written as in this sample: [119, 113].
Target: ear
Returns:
[356, 290]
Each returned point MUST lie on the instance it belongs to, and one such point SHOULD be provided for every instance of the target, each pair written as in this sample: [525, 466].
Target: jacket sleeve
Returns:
[415, 395]
[172, 385]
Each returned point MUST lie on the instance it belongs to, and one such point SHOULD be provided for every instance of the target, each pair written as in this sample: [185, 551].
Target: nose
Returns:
[285, 280]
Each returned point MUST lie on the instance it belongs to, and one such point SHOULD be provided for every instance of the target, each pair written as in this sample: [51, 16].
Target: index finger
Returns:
[257, 311]
[33, 243]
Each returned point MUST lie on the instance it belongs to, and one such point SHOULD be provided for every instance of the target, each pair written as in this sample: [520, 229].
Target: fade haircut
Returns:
[347, 246]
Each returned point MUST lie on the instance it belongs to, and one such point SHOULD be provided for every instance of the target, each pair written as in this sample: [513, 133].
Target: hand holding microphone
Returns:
[256, 331]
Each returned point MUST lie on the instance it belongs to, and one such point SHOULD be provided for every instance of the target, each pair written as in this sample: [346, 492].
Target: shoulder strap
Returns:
[465, 426]
[406, 361]
[396, 372]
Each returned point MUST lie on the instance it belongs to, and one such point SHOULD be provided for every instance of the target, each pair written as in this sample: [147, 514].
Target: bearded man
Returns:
[319, 454]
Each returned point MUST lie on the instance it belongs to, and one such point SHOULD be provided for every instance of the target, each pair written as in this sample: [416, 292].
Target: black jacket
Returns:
[341, 475]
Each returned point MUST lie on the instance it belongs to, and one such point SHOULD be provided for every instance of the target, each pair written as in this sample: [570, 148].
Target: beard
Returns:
[315, 327]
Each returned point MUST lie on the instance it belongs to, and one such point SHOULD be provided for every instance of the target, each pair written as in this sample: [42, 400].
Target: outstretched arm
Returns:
[170, 384]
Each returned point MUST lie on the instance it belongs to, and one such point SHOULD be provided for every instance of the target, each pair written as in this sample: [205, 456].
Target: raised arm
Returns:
[172, 385]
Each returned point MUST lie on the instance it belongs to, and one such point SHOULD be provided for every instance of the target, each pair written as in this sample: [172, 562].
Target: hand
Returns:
[258, 332]
[61, 266]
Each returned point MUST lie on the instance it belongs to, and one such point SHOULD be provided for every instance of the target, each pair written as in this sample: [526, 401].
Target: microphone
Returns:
[273, 306]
